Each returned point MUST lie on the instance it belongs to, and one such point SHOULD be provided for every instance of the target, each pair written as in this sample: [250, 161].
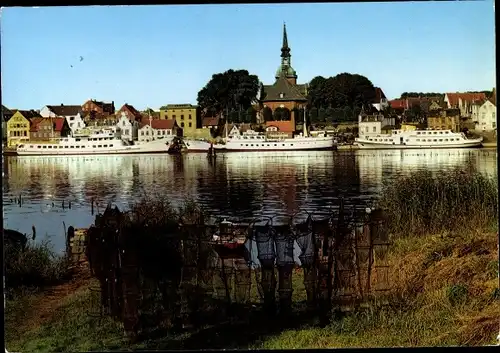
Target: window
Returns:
[182, 124]
[182, 116]
[189, 116]
[173, 116]
[97, 146]
[374, 129]
[190, 124]
[282, 95]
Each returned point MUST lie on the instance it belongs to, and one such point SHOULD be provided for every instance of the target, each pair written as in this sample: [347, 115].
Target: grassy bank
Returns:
[443, 285]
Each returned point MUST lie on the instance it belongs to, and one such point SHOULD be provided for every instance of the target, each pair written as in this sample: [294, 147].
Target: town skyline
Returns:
[122, 63]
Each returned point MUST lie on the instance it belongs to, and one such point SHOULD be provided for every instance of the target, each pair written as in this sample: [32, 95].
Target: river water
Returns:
[240, 185]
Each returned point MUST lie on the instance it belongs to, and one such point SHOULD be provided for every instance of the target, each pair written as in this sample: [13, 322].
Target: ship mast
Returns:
[305, 123]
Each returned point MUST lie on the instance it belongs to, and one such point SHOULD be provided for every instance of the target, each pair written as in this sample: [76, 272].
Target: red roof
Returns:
[210, 122]
[160, 124]
[58, 123]
[283, 126]
[468, 97]
[131, 110]
[34, 124]
[399, 104]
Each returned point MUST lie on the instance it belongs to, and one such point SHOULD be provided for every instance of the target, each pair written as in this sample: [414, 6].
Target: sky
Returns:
[150, 56]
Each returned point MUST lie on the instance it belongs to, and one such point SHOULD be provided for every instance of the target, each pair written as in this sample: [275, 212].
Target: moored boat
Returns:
[419, 139]
[95, 143]
[251, 141]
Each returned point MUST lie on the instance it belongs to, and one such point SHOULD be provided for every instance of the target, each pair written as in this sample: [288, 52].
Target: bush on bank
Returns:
[35, 267]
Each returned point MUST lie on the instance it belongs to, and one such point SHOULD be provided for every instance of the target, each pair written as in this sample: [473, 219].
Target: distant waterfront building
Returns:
[487, 116]
[99, 108]
[127, 127]
[18, 127]
[72, 114]
[374, 124]
[380, 101]
[157, 129]
[186, 116]
[130, 112]
[285, 92]
[448, 119]
[46, 129]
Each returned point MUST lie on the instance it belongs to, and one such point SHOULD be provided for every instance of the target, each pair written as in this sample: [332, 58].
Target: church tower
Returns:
[285, 68]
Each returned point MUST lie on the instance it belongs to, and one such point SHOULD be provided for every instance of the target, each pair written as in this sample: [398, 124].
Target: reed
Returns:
[425, 202]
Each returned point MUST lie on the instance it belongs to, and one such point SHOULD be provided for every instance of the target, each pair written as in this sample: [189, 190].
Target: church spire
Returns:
[285, 68]
[285, 49]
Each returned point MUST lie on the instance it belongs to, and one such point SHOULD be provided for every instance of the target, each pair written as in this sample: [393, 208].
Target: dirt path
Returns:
[52, 298]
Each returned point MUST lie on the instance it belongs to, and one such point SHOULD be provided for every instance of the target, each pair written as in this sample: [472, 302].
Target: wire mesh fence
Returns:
[157, 270]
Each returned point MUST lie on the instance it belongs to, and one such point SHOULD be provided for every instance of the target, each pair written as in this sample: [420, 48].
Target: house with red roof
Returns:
[210, 122]
[130, 112]
[99, 108]
[464, 102]
[45, 129]
[276, 128]
[155, 129]
[72, 113]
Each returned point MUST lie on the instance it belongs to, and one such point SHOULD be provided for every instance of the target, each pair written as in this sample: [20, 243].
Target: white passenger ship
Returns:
[254, 141]
[94, 143]
[402, 139]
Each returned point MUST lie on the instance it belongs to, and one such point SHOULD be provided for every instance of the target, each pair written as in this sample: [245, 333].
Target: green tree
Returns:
[313, 115]
[321, 115]
[340, 91]
[251, 116]
[234, 117]
[229, 91]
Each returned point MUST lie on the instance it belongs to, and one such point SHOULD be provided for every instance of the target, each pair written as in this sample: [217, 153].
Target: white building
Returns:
[72, 114]
[128, 128]
[373, 124]
[156, 129]
[487, 117]
[380, 101]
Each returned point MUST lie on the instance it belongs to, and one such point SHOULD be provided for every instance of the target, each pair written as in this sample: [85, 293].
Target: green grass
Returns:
[69, 328]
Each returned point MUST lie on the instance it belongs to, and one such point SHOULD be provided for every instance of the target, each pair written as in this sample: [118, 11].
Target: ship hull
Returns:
[298, 144]
[157, 146]
[379, 146]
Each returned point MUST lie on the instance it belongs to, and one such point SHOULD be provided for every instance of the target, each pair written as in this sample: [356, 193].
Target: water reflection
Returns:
[234, 185]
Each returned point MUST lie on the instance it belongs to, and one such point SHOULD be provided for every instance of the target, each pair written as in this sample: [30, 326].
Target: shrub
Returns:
[35, 267]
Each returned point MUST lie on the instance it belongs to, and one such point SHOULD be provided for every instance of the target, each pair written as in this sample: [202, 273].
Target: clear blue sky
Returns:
[149, 56]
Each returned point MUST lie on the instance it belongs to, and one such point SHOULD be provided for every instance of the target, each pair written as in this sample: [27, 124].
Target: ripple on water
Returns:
[237, 185]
